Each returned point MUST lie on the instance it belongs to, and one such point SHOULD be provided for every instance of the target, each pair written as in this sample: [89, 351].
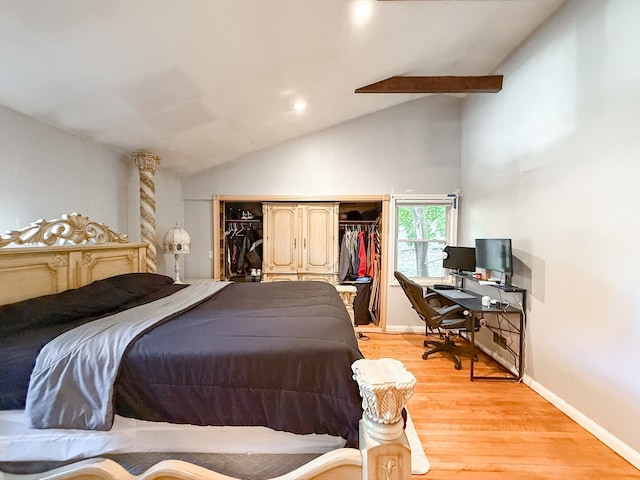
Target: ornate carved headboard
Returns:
[51, 256]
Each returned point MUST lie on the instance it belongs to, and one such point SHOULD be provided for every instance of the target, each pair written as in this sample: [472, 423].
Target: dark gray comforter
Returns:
[271, 354]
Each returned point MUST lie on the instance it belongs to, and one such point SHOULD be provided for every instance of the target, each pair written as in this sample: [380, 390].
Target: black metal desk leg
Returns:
[473, 345]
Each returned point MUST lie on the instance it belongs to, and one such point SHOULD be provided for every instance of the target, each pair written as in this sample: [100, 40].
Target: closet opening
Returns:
[360, 256]
[242, 242]
[344, 244]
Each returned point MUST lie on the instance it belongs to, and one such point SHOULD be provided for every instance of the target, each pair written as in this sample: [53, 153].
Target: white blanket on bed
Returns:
[72, 382]
[18, 443]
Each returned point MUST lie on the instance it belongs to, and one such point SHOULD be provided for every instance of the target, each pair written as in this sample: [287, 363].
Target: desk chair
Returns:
[442, 319]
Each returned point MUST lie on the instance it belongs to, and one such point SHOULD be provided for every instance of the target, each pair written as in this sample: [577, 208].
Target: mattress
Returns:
[18, 443]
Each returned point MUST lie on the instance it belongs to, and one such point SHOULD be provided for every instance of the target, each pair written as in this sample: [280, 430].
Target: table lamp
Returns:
[177, 241]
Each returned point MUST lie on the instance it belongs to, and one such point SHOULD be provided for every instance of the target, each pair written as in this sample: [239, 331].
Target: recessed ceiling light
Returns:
[300, 106]
[361, 12]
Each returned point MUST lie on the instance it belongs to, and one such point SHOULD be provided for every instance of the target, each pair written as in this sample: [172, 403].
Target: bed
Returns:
[279, 357]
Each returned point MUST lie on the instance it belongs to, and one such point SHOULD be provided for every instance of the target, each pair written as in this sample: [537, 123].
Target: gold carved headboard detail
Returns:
[72, 229]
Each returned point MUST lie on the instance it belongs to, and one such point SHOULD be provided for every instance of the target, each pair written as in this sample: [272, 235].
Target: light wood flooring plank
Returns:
[487, 430]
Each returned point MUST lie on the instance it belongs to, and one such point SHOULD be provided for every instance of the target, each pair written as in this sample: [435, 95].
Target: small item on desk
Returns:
[487, 282]
[443, 286]
[486, 301]
[477, 276]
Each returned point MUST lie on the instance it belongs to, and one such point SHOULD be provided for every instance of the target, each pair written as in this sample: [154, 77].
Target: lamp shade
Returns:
[177, 241]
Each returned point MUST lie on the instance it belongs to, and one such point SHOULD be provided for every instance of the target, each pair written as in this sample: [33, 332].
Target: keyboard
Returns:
[443, 286]
[459, 294]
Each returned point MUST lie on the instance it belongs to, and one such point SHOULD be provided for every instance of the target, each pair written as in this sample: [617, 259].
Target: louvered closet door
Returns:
[319, 227]
[281, 241]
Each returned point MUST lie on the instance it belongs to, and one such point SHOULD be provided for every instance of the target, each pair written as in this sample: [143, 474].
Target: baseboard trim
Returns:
[610, 440]
[405, 329]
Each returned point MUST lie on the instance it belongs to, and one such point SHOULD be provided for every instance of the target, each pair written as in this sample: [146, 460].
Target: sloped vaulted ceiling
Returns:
[200, 82]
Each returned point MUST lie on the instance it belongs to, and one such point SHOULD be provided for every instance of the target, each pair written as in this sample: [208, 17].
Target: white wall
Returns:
[553, 161]
[45, 172]
[412, 147]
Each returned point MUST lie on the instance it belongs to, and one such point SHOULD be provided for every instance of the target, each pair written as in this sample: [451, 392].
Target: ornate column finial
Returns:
[147, 163]
[385, 387]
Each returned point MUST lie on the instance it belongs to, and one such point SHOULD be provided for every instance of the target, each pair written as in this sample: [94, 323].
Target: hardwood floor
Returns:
[487, 430]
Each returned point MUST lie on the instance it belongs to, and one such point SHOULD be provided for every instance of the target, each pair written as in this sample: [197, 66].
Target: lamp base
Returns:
[177, 270]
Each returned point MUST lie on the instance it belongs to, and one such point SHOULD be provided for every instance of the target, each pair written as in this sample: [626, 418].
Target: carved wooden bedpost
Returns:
[147, 163]
[385, 386]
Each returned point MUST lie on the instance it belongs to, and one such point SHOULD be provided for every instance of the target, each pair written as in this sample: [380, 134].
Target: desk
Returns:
[472, 302]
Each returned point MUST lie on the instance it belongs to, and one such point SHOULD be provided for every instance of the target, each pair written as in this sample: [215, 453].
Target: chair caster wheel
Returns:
[457, 367]
[425, 356]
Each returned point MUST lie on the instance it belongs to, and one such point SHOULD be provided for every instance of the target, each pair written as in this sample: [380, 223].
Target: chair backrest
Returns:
[415, 294]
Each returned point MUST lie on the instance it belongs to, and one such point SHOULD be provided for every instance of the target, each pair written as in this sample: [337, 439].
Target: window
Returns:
[423, 227]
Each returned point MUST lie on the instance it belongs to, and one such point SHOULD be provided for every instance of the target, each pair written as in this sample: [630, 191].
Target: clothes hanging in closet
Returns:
[359, 248]
[346, 258]
[244, 250]
[362, 256]
[372, 254]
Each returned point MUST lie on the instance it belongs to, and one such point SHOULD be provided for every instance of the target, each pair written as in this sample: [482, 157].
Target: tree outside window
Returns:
[421, 235]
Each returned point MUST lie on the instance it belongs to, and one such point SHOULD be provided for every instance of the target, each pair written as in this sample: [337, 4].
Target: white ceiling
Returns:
[200, 82]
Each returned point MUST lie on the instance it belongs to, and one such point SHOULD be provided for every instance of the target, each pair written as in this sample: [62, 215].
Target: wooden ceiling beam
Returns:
[481, 84]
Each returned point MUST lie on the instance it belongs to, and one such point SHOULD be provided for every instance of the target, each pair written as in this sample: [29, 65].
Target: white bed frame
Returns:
[73, 251]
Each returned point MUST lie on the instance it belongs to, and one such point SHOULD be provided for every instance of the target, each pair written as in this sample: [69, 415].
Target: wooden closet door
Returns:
[281, 243]
[319, 228]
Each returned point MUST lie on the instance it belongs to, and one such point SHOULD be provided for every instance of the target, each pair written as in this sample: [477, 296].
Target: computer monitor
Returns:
[460, 259]
[495, 254]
